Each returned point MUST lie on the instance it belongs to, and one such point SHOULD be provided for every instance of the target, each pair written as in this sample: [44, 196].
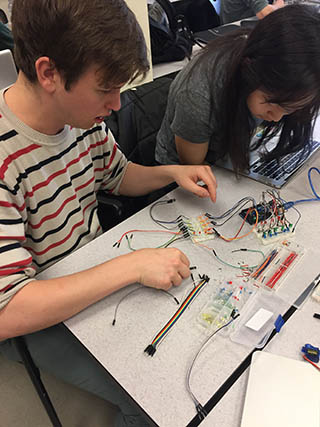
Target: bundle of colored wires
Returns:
[163, 224]
[152, 348]
[237, 237]
[202, 413]
[232, 211]
[264, 264]
[274, 213]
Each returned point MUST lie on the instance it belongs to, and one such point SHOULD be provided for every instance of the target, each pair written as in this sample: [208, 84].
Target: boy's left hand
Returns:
[189, 176]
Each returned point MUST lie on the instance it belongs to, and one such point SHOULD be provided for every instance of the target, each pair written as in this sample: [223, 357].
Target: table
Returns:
[302, 328]
[166, 68]
[157, 383]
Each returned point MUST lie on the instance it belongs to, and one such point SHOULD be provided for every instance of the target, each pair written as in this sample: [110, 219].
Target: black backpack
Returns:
[171, 39]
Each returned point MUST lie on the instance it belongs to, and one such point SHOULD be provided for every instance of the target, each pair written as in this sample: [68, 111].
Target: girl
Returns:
[268, 75]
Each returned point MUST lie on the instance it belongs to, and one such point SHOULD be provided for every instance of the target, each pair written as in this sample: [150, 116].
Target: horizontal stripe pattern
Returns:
[48, 205]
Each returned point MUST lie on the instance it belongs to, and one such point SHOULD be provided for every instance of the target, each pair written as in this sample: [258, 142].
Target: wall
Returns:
[139, 7]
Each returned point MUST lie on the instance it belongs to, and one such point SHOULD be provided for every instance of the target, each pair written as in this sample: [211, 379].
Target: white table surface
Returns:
[300, 329]
[157, 383]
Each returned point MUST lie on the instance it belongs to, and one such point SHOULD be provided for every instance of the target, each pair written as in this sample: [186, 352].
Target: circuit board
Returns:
[274, 234]
[199, 228]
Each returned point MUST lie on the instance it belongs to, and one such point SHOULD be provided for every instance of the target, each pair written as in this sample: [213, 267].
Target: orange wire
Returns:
[312, 363]
[230, 239]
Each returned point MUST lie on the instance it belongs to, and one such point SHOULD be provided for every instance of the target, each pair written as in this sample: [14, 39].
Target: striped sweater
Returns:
[48, 185]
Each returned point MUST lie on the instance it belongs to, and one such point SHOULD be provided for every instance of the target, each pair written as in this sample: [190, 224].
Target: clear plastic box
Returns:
[276, 265]
[242, 334]
[229, 296]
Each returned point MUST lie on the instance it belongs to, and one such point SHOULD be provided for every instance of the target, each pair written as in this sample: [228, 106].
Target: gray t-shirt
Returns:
[235, 10]
[189, 112]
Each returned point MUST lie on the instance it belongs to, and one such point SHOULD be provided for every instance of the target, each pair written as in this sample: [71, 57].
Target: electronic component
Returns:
[198, 228]
[227, 299]
[311, 352]
[250, 214]
[270, 234]
[152, 348]
[269, 218]
[276, 265]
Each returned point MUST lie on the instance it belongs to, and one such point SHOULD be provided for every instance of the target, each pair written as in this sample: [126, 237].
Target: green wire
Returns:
[237, 266]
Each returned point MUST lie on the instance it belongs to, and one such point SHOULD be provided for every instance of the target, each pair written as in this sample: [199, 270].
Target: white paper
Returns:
[281, 392]
[259, 319]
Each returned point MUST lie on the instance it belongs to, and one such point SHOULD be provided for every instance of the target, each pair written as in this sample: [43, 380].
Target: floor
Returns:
[21, 406]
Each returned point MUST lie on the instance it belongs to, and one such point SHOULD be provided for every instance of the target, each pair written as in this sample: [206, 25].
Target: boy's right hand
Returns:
[161, 268]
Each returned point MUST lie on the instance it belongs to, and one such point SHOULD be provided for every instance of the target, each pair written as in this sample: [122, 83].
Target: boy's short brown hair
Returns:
[76, 34]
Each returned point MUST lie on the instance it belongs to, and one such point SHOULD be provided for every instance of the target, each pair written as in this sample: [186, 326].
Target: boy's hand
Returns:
[161, 268]
[189, 176]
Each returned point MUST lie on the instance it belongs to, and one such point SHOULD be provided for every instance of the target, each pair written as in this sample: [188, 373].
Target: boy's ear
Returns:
[47, 74]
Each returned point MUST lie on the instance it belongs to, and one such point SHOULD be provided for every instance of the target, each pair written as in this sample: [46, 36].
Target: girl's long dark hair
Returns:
[281, 57]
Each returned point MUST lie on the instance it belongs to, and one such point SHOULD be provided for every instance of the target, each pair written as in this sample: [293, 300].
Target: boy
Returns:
[235, 10]
[73, 57]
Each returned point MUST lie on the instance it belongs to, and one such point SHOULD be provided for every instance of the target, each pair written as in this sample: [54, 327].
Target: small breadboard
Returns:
[274, 234]
[199, 228]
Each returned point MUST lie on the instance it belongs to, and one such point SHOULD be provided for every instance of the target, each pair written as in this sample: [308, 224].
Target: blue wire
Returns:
[289, 205]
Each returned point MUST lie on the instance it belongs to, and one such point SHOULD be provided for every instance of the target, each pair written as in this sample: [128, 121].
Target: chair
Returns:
[200, 14]
[135, 127]
[35, 377]
[8, 73]
[8, 76]
[3, 17]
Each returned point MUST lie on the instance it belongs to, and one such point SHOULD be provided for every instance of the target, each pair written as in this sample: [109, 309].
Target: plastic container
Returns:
[276, 265]
[229, 296]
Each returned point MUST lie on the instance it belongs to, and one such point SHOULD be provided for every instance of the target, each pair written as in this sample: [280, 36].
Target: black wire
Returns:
[234, 213]
[233, 210]
[299, 217]
[201, 411]
[139, 289]
[159, 222]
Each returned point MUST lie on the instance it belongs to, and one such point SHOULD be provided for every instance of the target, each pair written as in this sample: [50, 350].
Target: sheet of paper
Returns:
[281, 392]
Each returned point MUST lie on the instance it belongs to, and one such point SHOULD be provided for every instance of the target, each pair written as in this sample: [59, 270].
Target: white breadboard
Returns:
[266, 238]
[199, 228]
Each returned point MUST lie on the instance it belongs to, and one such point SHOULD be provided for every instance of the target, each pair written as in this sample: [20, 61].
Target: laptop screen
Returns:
[271, 172]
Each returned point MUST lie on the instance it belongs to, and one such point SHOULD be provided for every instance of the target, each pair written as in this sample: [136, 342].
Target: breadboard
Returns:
[199, 228]
[273, 235]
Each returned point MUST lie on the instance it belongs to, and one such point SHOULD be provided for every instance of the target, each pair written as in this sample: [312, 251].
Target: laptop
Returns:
[8, 71]
[271, 172]
[207, 35]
